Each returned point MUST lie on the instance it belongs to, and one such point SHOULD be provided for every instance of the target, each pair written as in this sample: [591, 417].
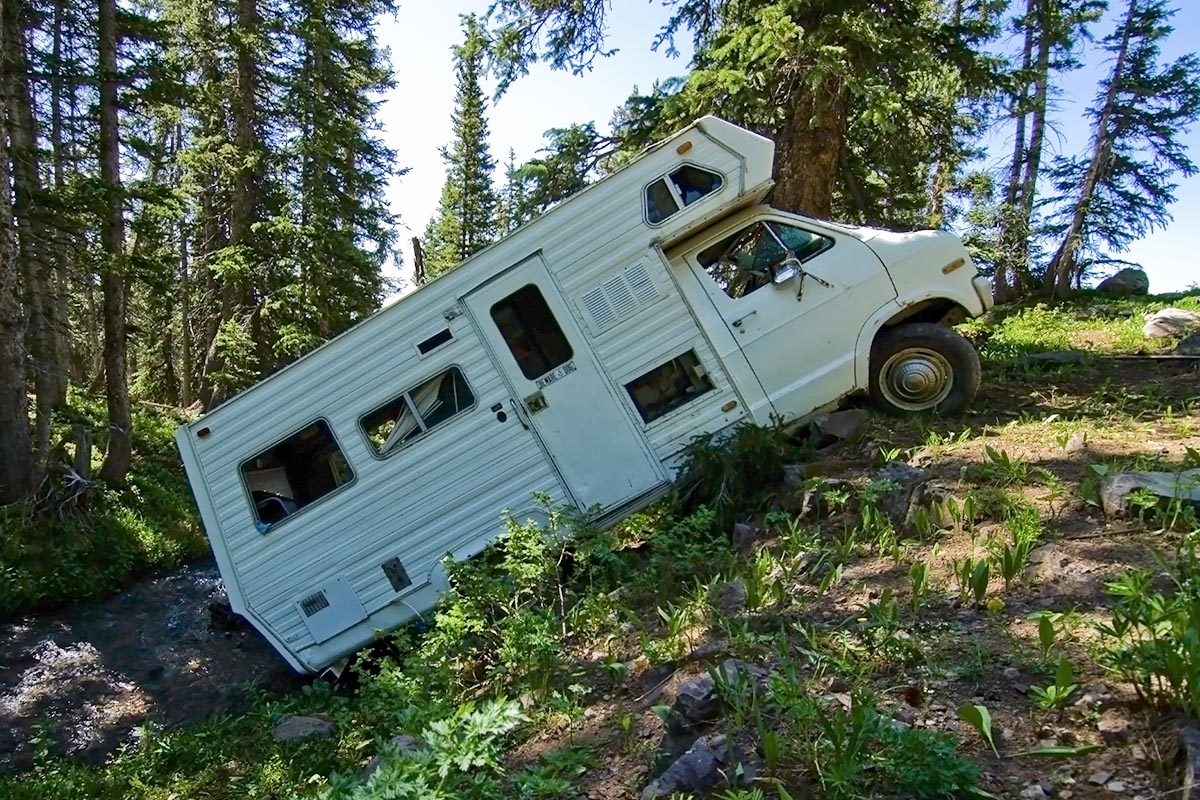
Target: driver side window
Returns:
[748, 260]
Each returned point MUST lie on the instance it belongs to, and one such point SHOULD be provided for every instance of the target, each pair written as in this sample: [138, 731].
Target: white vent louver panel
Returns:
[619, 297]
[331, 609]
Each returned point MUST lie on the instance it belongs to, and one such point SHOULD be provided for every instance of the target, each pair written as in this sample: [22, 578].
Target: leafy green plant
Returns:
[918, 576]
[979, 718]
[972, 577]
[1056, 695]
[1047, 622]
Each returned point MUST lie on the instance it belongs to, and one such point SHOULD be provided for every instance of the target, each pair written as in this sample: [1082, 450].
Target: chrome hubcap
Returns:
[916, 379]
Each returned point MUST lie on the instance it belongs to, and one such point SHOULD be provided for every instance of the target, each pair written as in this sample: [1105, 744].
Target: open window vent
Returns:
[330, 610]
[619, 297]
[313, 603]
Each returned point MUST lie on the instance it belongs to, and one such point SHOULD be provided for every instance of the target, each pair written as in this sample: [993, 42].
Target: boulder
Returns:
[1115, 489]
[744, 536]
[295, 728]
[709, 763]
[841, 426]
[730, 597]
[1190, 346]
[697, 702]
[1126, 282]
[1170, 322]
[1189, 737]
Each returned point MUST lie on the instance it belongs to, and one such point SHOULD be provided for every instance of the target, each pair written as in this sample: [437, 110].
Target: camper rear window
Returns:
[418, 410]
[677, 190]
[298, 471]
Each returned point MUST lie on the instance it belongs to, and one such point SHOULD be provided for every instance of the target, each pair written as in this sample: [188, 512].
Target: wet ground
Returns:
[156, 654]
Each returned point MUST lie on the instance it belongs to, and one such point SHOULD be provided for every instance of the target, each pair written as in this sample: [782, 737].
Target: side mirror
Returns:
[786, 270]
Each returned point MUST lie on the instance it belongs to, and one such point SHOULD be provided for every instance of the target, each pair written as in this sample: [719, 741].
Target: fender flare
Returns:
[894, 307]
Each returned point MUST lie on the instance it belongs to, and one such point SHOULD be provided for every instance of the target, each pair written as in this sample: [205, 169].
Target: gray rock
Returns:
[1190, 346]
[793, 476]
[744, 537]
[294, 728]
[401, 745]
[697, 702]
[1124, 283]
[707, 764]
[1100, 777]
[1171, 322]
[730, 597]
[845, 425]
[1034, 791]
[1115, 489]
[1189, 737]
[897, 501]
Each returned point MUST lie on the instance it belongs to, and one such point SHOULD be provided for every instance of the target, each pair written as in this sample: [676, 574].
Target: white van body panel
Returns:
[637, 321]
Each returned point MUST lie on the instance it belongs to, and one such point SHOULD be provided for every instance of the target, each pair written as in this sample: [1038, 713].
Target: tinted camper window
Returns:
[418, 410]
[679, 189]
[298, 471]
[531, 332]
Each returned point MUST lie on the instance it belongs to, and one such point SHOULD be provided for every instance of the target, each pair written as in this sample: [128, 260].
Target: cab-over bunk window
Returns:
[298, 471]
[418, 410]
[677, 190]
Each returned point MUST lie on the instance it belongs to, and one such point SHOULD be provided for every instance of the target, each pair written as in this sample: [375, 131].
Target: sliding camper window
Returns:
[677, 190]
[531, 332]
[746, 262]
[669, 386]
[298, 471]
[418, 410]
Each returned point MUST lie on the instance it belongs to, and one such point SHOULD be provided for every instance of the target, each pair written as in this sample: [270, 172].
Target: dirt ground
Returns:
[81, 682]
[85, 679]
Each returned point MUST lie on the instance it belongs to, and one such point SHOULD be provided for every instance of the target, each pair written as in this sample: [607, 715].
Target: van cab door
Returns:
[793, 294]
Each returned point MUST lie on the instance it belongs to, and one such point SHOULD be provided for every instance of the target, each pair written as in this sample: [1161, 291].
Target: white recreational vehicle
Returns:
[576, 358]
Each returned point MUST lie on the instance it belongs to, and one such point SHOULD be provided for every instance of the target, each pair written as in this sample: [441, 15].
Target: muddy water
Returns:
[89, 677]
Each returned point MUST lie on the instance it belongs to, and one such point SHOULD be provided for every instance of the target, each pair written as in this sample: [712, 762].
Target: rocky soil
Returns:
[162, 653]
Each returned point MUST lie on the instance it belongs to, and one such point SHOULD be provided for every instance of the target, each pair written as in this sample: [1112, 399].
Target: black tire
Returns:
[920, 367]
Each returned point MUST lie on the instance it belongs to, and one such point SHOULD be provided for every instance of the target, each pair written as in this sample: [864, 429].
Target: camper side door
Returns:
[794, 295]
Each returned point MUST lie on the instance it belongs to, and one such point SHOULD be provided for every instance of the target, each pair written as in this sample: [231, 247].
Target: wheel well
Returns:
[938, 310]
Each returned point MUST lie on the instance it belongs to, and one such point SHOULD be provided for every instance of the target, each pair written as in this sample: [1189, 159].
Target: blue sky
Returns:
[416, 114]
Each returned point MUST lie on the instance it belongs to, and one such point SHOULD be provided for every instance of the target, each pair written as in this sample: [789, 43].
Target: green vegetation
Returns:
[538, 673]
[80, 540]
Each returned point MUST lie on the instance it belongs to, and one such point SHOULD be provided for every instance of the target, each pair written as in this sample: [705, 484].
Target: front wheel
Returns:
[921, 366]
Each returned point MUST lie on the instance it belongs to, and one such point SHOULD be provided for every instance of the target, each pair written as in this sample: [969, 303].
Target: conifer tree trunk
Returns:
[112, 240]
[808, 149]
[16, 465]
[1061, 272]
[1010, 281]
[32, 239]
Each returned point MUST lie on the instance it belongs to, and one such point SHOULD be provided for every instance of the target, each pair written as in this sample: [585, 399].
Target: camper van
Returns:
[576, 358]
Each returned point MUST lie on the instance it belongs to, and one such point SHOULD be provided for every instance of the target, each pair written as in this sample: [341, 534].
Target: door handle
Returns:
[737, 323]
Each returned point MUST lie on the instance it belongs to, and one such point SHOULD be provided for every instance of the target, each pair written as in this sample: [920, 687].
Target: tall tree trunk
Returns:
[185, 319]
[1010, 281]
[810, 147]
[1037, 135]
[1061, 272]
[16, 465]
[112, 240]
[32, 241]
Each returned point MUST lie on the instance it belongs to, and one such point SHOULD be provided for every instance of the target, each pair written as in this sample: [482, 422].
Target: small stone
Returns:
[294, 728]
[845, 425]
[1077, 443]
[1034, 791]
[1113, 727]
[730, 597]
[1100, 777]
[744, 537]
[1066, 794]
[1012, 673]
[1116, 787]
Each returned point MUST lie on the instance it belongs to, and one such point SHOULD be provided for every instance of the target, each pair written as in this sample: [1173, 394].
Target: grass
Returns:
[537, 678]
[65, 553]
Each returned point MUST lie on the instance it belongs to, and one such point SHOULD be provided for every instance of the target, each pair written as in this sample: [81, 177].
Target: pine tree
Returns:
[1123, 188]
[466, 217]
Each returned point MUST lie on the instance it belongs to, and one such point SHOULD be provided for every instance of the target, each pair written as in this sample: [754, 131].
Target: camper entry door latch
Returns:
[536, 402]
